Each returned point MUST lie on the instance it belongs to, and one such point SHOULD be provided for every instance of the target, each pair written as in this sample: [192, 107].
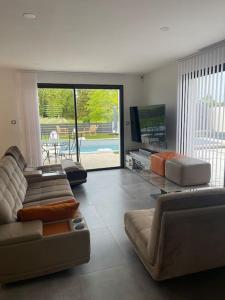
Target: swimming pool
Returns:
[97, 146]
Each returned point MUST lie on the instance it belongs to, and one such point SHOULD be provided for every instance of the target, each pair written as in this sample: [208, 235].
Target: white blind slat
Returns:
[201, 108]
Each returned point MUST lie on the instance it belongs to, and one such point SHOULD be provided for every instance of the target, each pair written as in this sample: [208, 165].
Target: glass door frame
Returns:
[74, 87]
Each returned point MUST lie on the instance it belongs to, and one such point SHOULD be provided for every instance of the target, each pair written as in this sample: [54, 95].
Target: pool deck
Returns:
[100, 160]
[95, 160]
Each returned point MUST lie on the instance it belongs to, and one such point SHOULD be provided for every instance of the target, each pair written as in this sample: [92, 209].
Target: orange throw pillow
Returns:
[49, 212]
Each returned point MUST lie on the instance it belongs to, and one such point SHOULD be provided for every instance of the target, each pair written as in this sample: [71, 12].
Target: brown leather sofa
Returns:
[184, 234]
[25, 250]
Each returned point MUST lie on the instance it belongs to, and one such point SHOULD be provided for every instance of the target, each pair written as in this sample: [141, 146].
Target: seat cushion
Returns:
[138, 227]
[43, 190]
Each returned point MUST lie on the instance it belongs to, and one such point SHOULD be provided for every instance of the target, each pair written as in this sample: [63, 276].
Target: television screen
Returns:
[152, 123]
[148, 124]
[135, 125]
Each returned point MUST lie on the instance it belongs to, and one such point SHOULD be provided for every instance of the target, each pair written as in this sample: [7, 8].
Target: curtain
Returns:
[201, 108]
[29, 117]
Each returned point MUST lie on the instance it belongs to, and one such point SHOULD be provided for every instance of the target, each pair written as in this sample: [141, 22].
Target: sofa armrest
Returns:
[32, 174]
[18, 232]
[49, 168]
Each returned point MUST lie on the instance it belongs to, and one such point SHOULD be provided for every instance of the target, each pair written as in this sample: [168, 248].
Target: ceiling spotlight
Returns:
[164, 28]
[29, 16]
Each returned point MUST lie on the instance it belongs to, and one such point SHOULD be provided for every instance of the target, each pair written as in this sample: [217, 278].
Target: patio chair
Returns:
[67, 148]
[93, 129]
[45, 154]
[62, 131]
[53, 136]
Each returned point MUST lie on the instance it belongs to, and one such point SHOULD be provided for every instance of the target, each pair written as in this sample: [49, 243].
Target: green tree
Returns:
[56, 103]
[101, 104]
[93, 105]
[83, 97]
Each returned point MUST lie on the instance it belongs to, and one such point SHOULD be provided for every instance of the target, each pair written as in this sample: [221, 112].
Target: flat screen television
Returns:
[148, 124]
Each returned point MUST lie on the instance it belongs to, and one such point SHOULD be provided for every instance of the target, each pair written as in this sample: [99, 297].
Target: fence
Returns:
[46, 129]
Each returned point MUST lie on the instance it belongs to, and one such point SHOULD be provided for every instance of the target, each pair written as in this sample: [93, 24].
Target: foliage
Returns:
[93, 105]
[83, 97]
[101, 104]
[210, 101]
[56, 103]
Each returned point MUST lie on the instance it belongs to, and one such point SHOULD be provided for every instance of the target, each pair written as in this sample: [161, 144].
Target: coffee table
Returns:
[166, 186]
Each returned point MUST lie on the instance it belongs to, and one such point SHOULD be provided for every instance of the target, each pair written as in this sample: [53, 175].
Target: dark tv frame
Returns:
[135, 122]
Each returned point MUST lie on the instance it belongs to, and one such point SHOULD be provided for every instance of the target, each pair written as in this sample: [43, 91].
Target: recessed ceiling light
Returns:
[29, 16]
[164, 28]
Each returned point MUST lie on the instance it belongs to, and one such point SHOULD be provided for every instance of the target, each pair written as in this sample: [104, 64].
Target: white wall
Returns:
[9, 109]
[133, 90]
[160, 87]
[9, 134]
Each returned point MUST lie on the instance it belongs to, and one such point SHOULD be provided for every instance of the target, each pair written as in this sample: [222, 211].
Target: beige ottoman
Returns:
[186, 171]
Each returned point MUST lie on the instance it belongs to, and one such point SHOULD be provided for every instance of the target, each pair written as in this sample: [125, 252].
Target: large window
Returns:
[201, 110]
[83, 123]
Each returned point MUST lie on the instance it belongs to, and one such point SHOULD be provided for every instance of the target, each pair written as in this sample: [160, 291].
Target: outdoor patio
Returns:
[98, 148]
[95, 160]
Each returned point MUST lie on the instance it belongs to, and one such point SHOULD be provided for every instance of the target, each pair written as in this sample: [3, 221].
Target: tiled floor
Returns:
[114, 271]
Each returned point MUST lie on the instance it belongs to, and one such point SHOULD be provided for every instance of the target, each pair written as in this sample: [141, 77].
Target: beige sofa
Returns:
[184, 234]
[25, 251]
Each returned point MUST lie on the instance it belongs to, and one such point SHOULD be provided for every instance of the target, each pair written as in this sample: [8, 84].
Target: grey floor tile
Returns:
[119, 283]
[105, 252]
[92, 218]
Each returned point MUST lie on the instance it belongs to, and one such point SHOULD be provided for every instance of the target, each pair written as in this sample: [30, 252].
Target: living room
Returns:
[145, 229]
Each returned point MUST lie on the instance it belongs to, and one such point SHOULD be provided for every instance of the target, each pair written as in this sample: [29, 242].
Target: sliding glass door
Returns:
[57, 121]
[98, 121]
[82, 123]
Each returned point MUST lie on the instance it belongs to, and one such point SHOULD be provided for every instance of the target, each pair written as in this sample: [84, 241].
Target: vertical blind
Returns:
[201, 108]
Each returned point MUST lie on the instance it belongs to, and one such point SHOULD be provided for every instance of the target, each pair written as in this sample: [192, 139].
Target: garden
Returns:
[96, 129]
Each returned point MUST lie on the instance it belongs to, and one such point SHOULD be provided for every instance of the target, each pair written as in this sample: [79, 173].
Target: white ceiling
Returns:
[113, 36]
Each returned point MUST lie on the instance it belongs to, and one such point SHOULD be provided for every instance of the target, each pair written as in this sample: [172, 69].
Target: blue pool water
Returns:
[96, 146]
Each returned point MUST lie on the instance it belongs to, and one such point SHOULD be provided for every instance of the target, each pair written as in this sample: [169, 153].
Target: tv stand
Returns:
[141, 159]
[147, 151]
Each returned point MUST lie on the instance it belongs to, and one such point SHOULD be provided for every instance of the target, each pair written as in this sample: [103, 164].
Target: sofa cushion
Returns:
[17, 155]
[13, 187]
[138, 227]
[49, 212]
[43, 190]
[15, 175]
[46, 201]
